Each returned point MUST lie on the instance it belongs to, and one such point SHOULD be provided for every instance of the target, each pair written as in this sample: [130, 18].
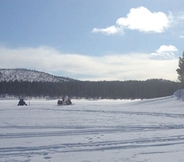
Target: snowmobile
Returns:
[65, 101]
[22, 102]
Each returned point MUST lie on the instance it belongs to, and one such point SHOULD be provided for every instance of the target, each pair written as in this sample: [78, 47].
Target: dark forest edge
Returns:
[131, 89]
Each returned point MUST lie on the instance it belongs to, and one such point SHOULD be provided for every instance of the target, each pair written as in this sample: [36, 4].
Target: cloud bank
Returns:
[135, 66]
[140, 19]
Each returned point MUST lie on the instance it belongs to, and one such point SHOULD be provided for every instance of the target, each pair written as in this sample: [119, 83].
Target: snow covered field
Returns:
[92, 131]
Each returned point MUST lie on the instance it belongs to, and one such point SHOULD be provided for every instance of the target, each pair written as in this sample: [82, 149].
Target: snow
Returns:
[29, 75]
[92, 131]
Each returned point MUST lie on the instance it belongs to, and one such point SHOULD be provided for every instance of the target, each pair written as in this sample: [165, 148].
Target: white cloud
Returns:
[110, 30]
[140, 19]
[166, 51]
[109, 67]
[143, 20]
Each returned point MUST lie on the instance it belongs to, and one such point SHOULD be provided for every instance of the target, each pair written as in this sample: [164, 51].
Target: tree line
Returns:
[89, 89]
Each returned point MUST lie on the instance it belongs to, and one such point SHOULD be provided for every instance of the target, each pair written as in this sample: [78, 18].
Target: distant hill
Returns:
[31, 83]
[30, 76]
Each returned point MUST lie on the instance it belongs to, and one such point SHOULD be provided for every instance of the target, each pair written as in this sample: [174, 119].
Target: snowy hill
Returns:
[29, 75]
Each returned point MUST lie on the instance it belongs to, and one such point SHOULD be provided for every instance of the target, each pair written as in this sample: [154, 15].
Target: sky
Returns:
[93, 40]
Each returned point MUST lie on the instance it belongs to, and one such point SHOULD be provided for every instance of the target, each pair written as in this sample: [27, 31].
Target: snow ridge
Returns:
[29, 76]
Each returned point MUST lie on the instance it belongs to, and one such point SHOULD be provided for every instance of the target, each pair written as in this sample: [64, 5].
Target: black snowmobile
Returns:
[22, 102]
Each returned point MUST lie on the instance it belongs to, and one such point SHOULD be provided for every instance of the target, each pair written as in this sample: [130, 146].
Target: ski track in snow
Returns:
[91, 131]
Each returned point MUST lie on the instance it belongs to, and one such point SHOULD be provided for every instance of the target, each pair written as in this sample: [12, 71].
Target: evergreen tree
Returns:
[180, 70]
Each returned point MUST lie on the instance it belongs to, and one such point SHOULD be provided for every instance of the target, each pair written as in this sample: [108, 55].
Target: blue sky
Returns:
[92, 39]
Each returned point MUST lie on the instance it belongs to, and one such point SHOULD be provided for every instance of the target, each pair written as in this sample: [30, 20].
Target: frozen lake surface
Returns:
[92, 131]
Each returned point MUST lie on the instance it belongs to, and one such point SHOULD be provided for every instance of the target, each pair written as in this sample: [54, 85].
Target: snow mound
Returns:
[179, 94]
